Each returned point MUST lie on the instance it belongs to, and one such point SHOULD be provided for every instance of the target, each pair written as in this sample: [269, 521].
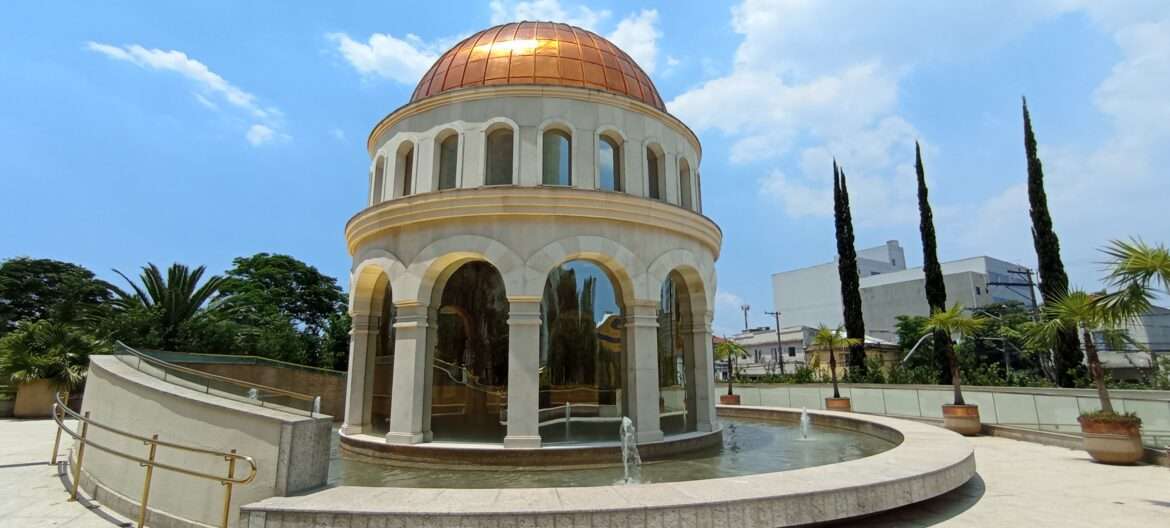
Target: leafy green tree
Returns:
[847, 270]
[832, 340]
[305, 296]
[953, 322]
[1067, 355]
[48, 349]
[170, 302]
[36, 289]
[936, 291]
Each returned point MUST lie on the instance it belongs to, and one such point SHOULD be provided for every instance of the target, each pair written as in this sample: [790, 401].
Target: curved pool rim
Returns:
[928, 461]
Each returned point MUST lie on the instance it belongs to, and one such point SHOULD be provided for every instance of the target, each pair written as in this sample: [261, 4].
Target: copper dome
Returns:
[538, 53]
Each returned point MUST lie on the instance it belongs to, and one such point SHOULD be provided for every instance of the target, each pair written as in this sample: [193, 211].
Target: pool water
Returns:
[749, 446]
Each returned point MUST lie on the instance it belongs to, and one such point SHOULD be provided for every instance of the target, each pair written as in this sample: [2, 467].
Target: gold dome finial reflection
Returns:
[538, 53]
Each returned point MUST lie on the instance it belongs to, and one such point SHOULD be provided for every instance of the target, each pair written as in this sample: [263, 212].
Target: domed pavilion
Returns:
[533, 264]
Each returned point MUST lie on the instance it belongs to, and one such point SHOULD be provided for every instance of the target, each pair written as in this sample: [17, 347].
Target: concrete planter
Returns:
[839, 404]
[728, 399]
[34, 399]
[1115, 441]
[962, 419]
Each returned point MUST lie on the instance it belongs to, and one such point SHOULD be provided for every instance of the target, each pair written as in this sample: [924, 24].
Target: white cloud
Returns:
[259, 134]
[728, 300]
[638, 36]
[210, 84]
[401, 60]
[547, 10]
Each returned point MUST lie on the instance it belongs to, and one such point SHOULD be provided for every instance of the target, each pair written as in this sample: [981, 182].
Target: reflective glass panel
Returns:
[556, 158]
[652, 175]
[448, 161]
[383, 365]
[610, 166]
[675, 357]
[499, 157]
[471, 357]
[582, 349]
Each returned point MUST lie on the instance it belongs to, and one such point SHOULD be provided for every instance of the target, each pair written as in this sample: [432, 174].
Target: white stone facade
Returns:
[414, 236]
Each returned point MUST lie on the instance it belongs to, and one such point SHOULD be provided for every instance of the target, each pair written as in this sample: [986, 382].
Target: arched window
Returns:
[404, 169]
[655, 187]
[379, 177]
[609, 168]
[498, 168]
[684, 184]
[448, 161]
[557, 158]
[676, 361]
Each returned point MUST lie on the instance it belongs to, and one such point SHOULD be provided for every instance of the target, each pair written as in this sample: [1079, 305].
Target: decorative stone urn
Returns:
[1113, 440]
[728, 399]
[962, 419]
[838, 404]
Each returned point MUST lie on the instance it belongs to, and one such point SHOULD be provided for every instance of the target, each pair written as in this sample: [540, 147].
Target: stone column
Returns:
[704, 375]
[642, 370]
[523, 372]
[408, 397]
[360, 379]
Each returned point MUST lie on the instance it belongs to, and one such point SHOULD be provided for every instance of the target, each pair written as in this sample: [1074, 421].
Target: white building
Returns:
[764, 356]
[812, 296]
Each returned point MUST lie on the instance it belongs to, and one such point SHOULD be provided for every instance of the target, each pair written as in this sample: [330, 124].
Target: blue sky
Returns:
[136, 132]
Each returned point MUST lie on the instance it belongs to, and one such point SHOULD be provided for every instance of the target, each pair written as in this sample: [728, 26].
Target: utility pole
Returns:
[779, 344]
[1030, 284]
[745, 308]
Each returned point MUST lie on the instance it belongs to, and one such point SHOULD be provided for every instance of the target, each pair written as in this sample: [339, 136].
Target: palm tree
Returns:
[176, 299]
[834, 339]
[1085, 312]
[1136, 263]
[953, 322]
[47, 350]
[728, 350]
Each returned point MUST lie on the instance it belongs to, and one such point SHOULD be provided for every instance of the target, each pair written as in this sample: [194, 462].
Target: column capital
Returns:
[365, 323]
[524, 310]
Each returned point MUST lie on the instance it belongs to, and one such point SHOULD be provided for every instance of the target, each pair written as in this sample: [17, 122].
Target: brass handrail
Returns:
[313, 400]
[61, 411]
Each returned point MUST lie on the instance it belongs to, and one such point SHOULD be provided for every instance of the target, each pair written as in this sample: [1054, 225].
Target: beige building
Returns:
[534, 253]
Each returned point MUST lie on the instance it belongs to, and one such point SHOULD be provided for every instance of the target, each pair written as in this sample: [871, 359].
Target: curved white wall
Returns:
[291, 452]
[529, 117]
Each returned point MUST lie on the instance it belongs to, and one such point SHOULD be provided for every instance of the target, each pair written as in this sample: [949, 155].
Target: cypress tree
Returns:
[936, 291]
[1067, 357]
[847, 271]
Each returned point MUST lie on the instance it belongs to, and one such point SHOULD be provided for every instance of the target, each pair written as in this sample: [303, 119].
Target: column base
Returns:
[404, 438]
[645, 437]
[350, 429]
[707, 427]
[522, 442]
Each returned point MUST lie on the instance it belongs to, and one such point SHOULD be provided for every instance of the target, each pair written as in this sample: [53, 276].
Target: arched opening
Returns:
[379, 179]
[498, 165]
[448, 161]
[469, 393]
[655, 167]
[404, 169]
[556, 158]
[582, 351]
[676, 357]
[609, 164]
[684, 184]
[383, 375]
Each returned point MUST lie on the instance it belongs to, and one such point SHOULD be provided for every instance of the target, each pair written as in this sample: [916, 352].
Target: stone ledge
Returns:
[928, 462]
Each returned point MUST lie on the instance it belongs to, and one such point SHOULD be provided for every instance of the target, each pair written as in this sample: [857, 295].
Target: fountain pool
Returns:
[749, 446]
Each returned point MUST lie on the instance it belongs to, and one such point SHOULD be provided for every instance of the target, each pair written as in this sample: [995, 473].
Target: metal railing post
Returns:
[146, 484]
[227, 495]
[80, 457]
[57, 440]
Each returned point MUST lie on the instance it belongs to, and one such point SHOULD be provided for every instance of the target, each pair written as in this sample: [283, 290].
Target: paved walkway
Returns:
[1019, 484]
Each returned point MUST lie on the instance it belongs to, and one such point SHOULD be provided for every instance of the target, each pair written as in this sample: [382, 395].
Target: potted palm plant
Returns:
[728, 350]
[1109, 437]
[833, 339]
[42, 358]
[959, 416]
